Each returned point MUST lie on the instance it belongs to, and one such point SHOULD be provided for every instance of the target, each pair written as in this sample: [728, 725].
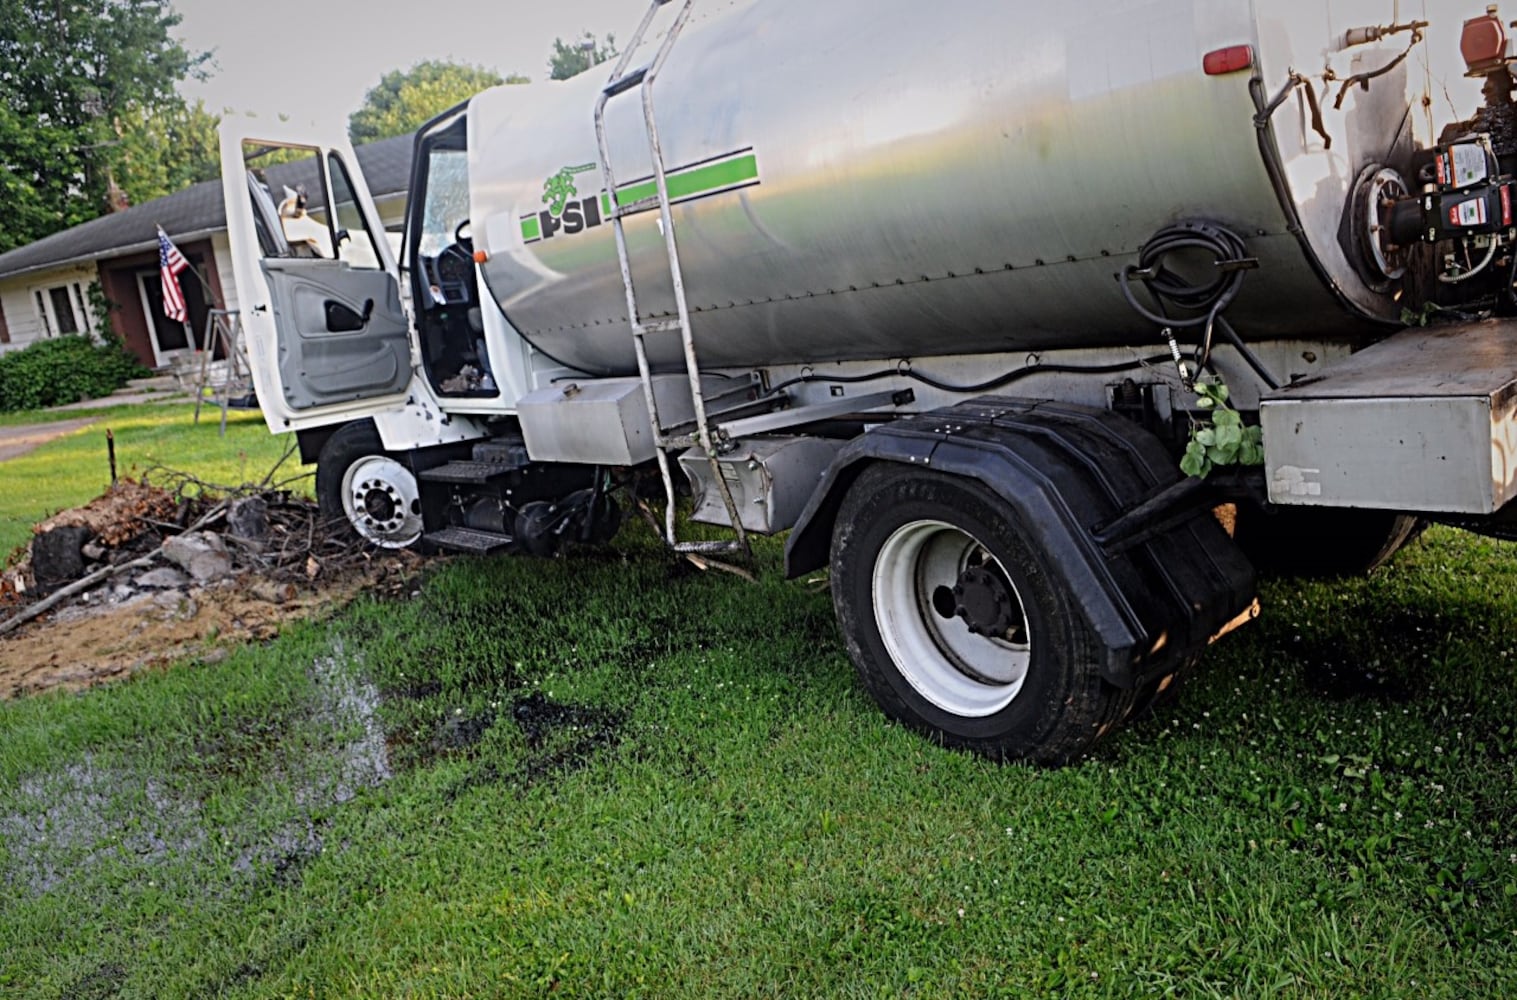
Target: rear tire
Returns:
[960, 625]
[363, 492]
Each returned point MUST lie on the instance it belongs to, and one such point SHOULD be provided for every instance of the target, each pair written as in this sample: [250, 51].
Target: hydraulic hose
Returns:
[1203, 301]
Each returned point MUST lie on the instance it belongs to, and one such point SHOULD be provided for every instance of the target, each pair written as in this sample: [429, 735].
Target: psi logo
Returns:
[568, 213]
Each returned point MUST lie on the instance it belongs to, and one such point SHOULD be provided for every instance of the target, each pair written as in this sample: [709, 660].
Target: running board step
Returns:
[506, 453]
[463, 473]
[480, 543]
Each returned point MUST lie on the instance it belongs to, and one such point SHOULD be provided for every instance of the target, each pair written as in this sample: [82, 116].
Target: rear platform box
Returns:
[1426, 420]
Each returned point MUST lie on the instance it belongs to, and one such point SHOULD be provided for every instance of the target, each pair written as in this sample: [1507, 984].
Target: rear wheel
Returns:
[363, 491]
[960, 626]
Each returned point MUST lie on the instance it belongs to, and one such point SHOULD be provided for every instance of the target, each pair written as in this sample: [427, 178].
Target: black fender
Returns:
[1067, 472]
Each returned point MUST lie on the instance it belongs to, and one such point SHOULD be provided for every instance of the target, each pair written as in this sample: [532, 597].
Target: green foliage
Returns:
[1225, 439]
[402, 101]
[573, 58]
[63, 370]
[77, 82]
[163, 150]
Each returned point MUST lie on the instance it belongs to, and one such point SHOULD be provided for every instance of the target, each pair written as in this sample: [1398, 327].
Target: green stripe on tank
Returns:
[689, 183]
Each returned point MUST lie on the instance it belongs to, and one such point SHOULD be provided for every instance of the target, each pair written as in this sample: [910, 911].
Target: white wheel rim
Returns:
[960, 672]
[382, 502]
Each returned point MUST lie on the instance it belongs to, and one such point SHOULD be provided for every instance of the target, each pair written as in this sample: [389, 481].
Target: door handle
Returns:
[343, 318]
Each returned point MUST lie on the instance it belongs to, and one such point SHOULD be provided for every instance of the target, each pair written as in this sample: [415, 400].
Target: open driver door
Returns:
[317, 283]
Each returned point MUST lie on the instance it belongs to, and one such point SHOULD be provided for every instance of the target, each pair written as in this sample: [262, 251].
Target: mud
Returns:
[96, 642]
[99, 984]
[561, 739]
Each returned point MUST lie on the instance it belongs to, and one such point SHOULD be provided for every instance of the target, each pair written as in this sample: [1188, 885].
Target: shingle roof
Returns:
[194, 212]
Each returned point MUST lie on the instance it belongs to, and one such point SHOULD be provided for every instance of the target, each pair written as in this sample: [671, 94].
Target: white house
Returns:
[45, 286]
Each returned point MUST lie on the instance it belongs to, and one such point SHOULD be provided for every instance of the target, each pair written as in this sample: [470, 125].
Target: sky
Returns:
[314, 60]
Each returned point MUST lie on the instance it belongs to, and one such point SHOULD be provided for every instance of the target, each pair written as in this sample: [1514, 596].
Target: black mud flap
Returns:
[1068, 473]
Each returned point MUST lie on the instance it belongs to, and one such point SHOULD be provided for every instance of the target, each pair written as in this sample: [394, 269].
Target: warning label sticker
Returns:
[1468, 213]
[1469, 165]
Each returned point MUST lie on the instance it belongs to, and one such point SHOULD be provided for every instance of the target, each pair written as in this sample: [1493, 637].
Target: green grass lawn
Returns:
[76, 468]
[611, 776]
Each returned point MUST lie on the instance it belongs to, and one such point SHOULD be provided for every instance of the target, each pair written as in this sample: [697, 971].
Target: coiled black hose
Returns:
[1204, 301]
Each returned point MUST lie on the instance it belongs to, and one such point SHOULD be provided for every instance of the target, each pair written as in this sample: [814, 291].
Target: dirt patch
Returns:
[145, 576]
[86, 645]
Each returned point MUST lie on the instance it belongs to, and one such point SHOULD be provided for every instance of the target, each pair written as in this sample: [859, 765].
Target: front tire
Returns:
[364, 492]
[960, 625]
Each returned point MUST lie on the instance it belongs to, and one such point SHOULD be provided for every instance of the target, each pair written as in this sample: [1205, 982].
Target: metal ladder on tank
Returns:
[622, 81]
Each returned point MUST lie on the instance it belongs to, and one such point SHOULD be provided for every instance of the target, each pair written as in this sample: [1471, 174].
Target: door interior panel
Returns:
[318, 366]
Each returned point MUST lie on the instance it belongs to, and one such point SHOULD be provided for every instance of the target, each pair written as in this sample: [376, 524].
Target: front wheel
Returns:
[960, 626]
[361, 490]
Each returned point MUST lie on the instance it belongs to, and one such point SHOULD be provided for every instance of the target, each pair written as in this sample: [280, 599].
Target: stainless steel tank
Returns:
[884, 178]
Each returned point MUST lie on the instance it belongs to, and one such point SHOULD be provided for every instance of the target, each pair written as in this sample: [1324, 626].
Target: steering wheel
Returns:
[453, 267]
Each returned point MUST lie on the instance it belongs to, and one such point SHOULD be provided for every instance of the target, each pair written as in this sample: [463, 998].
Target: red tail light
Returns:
[1220, 62]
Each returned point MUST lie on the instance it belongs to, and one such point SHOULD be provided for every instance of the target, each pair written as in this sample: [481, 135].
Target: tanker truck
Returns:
[948, 292]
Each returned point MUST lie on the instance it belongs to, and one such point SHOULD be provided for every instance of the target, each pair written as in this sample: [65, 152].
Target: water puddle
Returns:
[58, 824]
[248, 805]
[70, 824]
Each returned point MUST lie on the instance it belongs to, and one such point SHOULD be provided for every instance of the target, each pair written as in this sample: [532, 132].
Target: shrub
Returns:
[63, 370]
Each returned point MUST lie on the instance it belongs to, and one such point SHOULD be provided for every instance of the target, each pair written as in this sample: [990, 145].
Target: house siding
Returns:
[18, 300]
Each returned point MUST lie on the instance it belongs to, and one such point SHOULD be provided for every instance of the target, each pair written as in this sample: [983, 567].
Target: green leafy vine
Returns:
[1222, 440]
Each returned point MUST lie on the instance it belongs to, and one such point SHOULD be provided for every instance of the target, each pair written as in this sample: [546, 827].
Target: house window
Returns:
[61, 310]
[47, 324]
[5, 331]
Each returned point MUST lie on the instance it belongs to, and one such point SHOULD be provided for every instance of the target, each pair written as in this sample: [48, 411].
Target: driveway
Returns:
[17, 441]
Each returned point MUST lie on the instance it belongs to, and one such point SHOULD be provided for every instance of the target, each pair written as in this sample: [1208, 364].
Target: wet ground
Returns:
[59, 827]
[105, 817]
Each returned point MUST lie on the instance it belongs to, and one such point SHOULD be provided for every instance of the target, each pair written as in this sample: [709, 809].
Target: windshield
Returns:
[447, 199]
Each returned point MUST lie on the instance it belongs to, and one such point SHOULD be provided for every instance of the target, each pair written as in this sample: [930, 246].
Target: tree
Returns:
[71, 71]
[403, 101]
[160, 151]
[573, 59]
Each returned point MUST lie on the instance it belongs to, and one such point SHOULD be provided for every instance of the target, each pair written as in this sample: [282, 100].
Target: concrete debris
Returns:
[248, 521]
[162, 578]
[202, 554]
[146, 573]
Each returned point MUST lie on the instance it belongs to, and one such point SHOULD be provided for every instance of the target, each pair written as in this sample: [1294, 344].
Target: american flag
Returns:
[170, 263]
